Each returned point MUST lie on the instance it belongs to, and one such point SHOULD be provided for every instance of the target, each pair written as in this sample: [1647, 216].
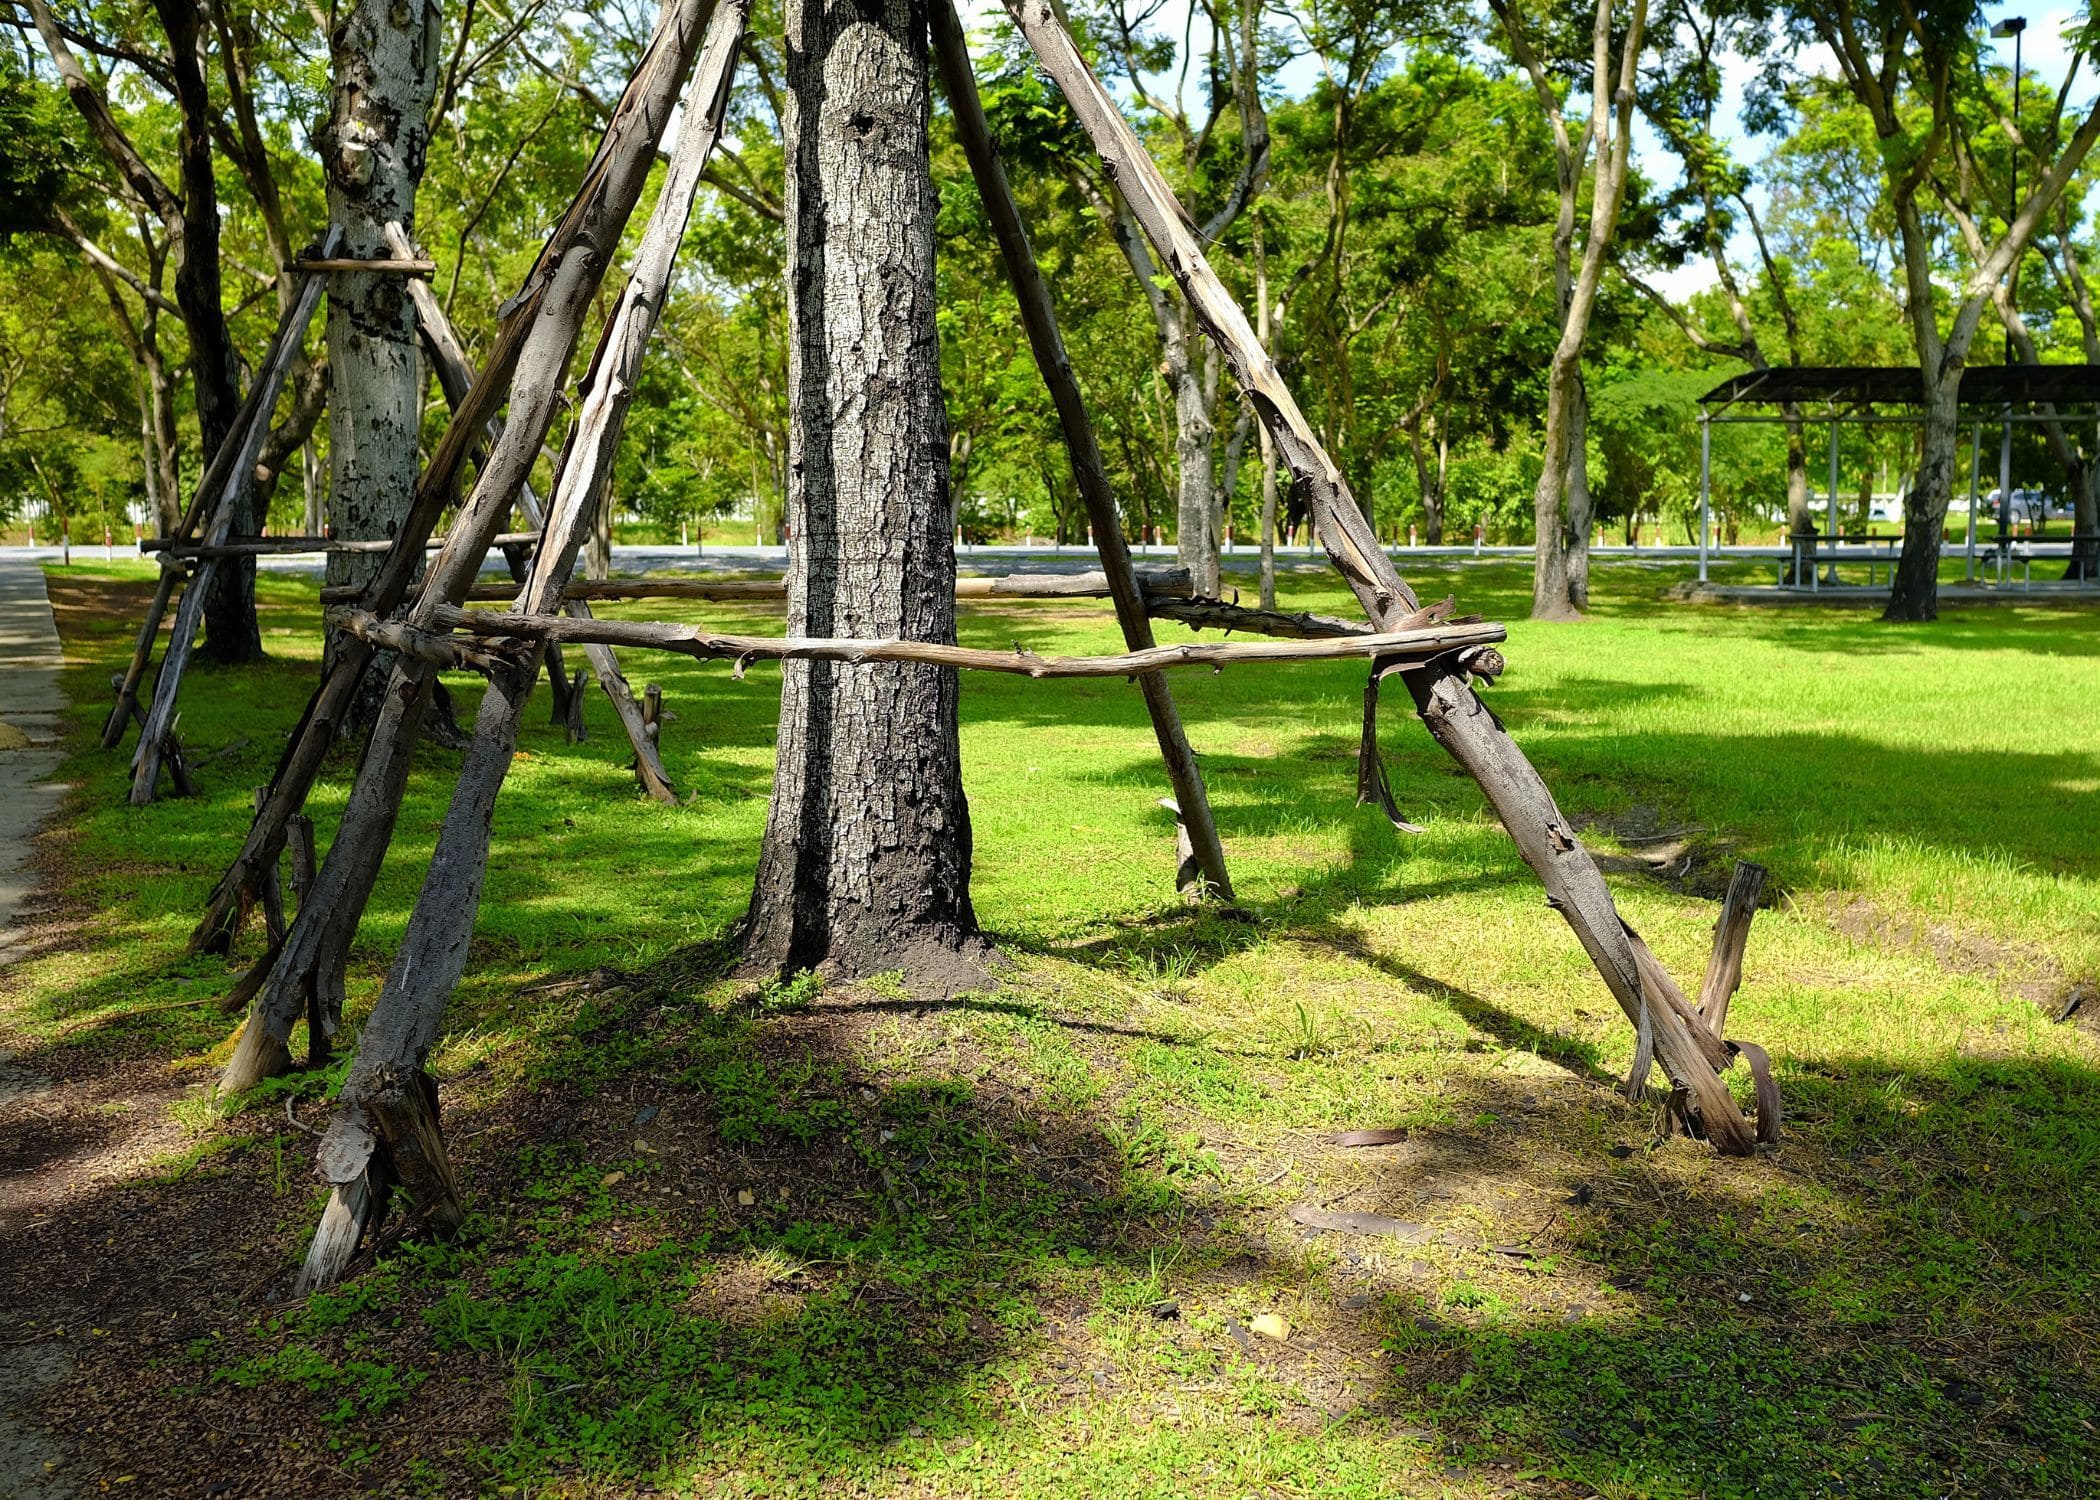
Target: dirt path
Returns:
[31, 1461]
[30, 705]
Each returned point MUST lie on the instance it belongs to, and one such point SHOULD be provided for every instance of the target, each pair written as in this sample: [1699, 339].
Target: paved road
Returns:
[30, 704]
[973, 559]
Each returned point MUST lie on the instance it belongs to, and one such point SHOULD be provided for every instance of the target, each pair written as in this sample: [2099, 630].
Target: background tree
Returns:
[1911, 67]
[1561, 501]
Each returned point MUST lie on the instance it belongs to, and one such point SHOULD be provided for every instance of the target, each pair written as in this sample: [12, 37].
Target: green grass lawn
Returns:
[801, 1240]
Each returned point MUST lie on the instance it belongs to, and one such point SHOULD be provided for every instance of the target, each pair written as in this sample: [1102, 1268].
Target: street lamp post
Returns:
[2011, 26]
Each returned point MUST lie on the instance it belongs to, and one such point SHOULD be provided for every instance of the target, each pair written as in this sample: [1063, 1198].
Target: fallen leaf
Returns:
[612, 1179]
[1369, 1137]
[744, 1198]
[1342, 1221]
[1271, 1326]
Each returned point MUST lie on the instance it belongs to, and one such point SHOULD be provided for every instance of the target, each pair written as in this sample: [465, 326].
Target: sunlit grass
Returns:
[982, 1204]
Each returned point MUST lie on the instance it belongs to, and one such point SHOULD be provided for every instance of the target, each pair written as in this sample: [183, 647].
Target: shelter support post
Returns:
[1830, 522]
[2005, 497]
[1706, 470]
[1975, 477]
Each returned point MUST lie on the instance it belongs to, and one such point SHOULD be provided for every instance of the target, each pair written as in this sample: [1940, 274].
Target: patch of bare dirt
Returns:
[1687, 857]
[2027, 972]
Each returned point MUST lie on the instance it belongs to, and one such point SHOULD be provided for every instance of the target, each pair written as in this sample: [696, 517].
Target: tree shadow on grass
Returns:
[1893, 1305]
[849, 1244]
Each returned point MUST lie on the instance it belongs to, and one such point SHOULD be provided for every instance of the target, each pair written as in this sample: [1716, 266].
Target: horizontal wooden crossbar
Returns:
[386, 267]
[1166, 582]
[1397, 646]
[268, 545]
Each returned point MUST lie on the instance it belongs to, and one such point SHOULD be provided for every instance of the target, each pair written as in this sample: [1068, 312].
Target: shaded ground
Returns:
[777, 1241]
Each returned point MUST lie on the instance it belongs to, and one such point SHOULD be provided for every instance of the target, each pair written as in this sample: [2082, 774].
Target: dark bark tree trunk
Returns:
[1915, 595]
[385, 59]
[2084, 480]
[229, 612]
[866, 861]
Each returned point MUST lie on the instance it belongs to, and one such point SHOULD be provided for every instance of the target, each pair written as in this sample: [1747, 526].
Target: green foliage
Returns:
[45, 150]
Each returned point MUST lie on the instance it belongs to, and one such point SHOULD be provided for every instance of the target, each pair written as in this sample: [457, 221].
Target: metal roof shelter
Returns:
[1840, 395]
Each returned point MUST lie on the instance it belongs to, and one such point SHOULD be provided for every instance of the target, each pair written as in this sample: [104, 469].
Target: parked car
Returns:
[2033, 508]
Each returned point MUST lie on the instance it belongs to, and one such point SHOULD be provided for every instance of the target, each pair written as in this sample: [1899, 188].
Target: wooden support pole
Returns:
[1039, 316]
[1215, 614]
[590, 227]
[240, 450]
[390, 267]
[1724, 967]
[1420, 644]
[272, 891]
[126, 707]
[302, 842]
[410, 1010]
[1449, 708]
[307, 978]
[514, 558]
[576, 729]
[177, 763]
[454, 371]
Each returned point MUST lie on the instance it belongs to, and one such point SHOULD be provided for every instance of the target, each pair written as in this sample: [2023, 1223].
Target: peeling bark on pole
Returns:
[388, 1096]
[1724, 968]
[585, 235]
[1191, 798]
[1153, 583]
[308, 976]
[456, 376]
[1452, 711]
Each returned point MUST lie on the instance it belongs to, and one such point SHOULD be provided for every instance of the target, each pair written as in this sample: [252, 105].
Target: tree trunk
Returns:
[1195, 541]
[1549, 584]
[865, 865]
[1228, 485]
[385, 58]
[1798, 516]
[229, 611]
[2085, 523]
[1915, 595]
[164, 445]
[1580, 506]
